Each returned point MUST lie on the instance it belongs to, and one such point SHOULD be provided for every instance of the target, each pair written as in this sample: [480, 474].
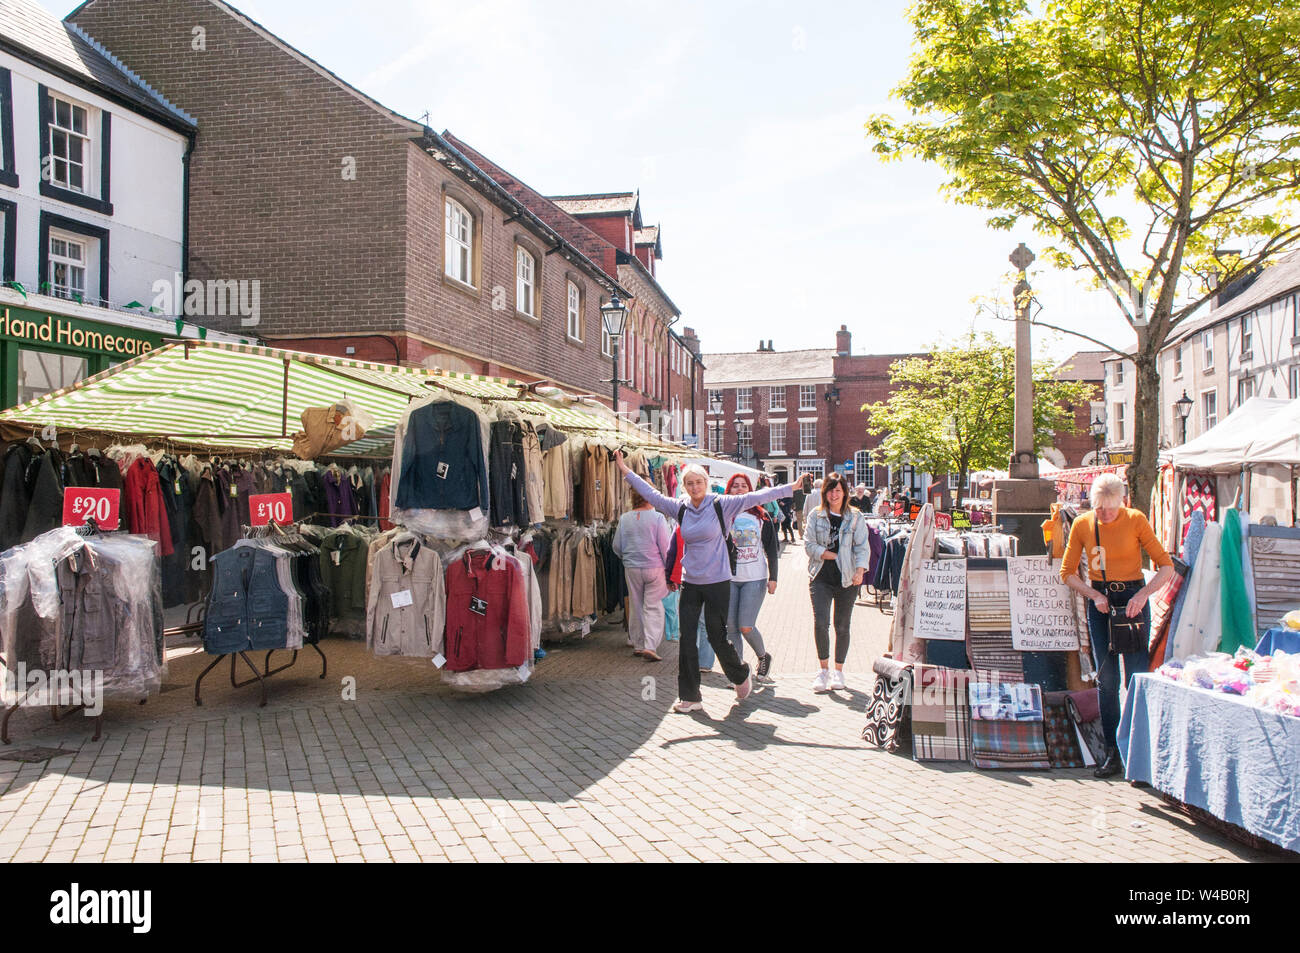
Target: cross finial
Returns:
[1022, 257]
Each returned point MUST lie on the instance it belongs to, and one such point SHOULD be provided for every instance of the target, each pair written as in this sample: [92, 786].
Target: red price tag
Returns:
[942, 521]
[81, 503]
[265, 507]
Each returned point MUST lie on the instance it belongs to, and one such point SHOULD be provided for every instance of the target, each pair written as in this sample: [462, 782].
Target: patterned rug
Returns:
[888, 726]
[1015, 745]
[1063, 749]
[940, 714]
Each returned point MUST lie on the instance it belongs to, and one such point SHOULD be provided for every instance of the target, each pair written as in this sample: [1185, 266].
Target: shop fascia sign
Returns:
[35, 327]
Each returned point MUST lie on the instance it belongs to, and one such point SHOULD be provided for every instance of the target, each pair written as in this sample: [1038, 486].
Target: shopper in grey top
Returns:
[641, 541]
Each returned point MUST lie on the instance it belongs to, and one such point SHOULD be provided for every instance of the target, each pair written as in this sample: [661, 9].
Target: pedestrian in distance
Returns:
[839, 553]
[811, 502]
[641, 541]
[705, 522]
[802, 487]
[754, 533]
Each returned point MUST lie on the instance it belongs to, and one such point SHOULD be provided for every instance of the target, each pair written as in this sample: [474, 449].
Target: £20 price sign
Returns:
[82, 503]
[265, 507]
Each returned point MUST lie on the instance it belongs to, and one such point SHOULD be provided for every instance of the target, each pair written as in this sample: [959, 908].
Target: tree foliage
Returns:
[953, 410]
[1142, 136]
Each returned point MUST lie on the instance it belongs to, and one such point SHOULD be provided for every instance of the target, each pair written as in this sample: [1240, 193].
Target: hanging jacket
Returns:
[407, 608]
[16, 492]
[178, 500]
[340, 502]
[207, 515]
[247, 608]
[487, 613]
[45, 508]
[442, 460]
[146, 514]
[228, 504]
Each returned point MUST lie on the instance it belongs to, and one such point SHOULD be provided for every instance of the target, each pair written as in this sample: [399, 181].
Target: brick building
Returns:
[369, 233]
[686, 386]
[1078, 449]
[800, 411]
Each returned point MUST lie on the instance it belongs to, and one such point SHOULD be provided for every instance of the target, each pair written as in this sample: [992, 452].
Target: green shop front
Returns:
[42, 351]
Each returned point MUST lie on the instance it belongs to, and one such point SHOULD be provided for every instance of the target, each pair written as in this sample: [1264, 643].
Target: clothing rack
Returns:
[273, 529]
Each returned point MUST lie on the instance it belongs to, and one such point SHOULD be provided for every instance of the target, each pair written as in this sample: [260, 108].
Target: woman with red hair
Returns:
[755, 536]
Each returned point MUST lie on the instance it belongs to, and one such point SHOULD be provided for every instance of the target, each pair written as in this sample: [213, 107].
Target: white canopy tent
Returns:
[725, 469]
[1231, 444]
[1278, 441]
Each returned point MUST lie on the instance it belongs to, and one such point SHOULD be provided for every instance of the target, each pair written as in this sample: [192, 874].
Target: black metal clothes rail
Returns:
[259, 677]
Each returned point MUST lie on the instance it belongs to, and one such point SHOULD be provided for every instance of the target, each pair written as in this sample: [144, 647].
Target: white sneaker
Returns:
[837, 680]
[683, 708]
[821, 684]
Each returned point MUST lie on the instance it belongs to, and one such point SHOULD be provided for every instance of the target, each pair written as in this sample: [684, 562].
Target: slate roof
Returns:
[1275, 280]
[33, 33]
[1083, 366]
[722, 369]
[602, 203]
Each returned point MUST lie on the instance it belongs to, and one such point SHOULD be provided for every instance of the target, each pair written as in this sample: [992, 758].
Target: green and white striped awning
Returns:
[236, 396]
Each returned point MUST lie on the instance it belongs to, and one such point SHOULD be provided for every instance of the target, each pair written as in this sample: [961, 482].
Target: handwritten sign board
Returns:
[81, 503]
[1042, 613]
[941, 603]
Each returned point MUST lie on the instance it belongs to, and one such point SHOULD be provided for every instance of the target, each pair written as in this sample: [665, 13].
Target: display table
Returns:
[1280, 639]
[1216, 752]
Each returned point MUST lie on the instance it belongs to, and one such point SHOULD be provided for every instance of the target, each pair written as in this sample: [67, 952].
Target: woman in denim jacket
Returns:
[839, 554]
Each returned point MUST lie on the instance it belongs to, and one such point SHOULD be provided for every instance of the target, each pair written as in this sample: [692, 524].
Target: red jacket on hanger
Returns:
[142, 501]
[487, 613]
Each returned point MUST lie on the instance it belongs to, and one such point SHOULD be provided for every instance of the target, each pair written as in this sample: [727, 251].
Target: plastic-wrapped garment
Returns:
[507, 474]
[418, 469]
[407, 606]
[70, 603]
[487, 612]
[487, 680]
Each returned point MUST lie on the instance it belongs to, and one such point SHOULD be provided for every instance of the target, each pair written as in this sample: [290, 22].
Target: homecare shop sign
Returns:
[34, 328]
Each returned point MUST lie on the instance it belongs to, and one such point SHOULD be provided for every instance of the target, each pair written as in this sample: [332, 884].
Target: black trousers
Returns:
[715, 601]
[824, 597]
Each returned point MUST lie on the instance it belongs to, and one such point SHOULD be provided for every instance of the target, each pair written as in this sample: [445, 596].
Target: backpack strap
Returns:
[681, 511]
[717, 508]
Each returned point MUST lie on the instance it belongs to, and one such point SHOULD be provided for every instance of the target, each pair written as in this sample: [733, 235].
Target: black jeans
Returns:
[1107, 662]
[823, 596]
[715, 600]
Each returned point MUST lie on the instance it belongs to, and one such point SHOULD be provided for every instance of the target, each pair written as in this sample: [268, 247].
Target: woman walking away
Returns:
[754, 534]
[641, 541]
[1114, 537]
[705, 521]
[839, 553]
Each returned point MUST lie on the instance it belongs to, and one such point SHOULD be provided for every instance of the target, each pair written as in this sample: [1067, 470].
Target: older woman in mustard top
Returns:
[1115, 537]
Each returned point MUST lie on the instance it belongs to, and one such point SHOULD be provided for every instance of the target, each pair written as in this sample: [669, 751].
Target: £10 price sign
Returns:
[265, 507]
[81, 503]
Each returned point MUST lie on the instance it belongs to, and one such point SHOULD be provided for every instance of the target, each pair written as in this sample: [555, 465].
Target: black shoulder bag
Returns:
[1126, 635]
[732, 553]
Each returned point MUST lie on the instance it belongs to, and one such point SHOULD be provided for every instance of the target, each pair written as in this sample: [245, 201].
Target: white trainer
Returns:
[837, 680]
[683, 708]
[822, 683]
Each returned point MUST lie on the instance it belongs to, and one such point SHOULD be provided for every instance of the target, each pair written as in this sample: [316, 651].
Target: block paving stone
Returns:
[380, 762]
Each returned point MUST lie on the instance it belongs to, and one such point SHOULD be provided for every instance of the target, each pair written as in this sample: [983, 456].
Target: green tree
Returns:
[952, 411]
[1141, 136]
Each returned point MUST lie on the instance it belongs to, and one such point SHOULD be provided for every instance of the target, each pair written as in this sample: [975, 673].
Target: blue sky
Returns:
[740, 123]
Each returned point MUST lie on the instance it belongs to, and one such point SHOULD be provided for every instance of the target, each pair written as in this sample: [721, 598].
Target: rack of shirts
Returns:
[78, 606]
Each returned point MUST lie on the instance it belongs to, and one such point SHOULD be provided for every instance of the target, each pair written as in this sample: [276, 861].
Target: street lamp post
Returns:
[1098, 430]
[1183, 407]
[715, 405]
[738, 426]
[614, 315]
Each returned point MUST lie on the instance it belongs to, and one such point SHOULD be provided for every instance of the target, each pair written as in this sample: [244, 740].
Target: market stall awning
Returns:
[232, 396]
[1226, 446]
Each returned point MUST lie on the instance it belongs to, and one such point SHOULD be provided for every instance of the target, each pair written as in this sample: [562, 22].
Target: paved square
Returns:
[585, 762]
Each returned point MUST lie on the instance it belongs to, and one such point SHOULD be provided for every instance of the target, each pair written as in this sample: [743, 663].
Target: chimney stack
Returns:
[843, 341]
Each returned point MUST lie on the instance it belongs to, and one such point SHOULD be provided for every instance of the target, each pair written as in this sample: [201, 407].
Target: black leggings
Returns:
[715, 600]
[824, 596]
